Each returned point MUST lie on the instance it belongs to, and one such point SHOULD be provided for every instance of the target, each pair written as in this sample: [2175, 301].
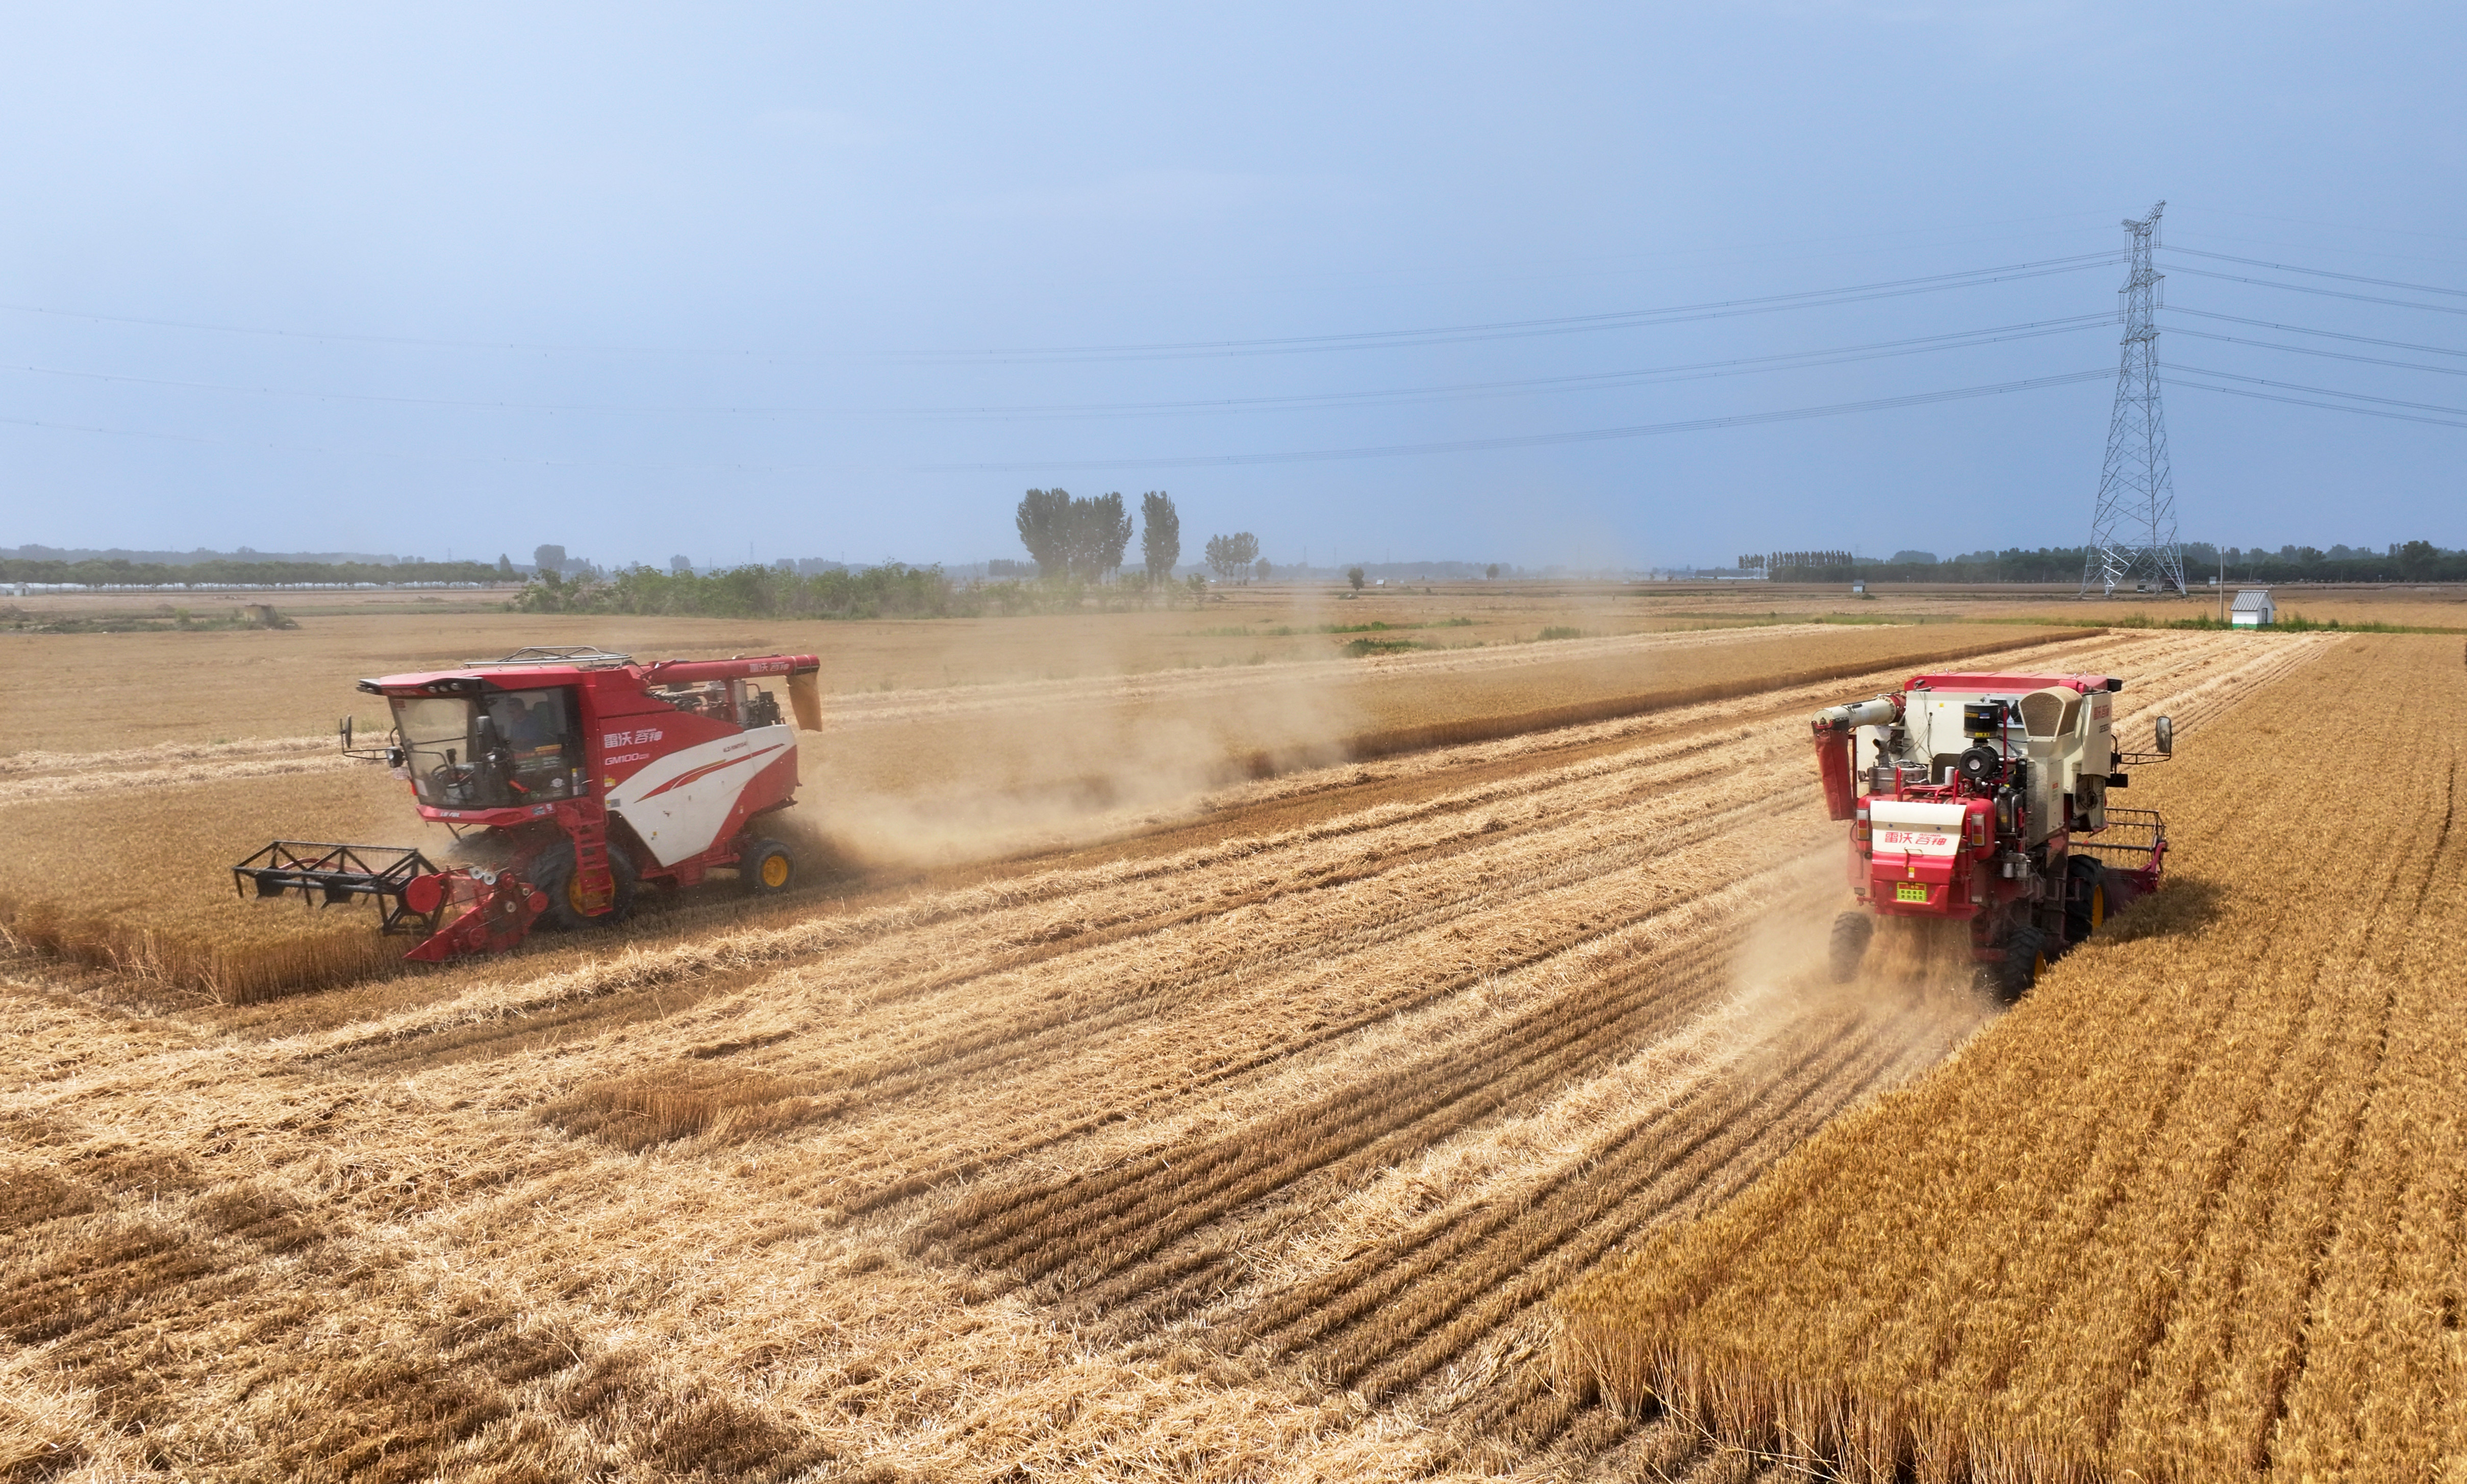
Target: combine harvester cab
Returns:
[1982, 801]
[586, 774]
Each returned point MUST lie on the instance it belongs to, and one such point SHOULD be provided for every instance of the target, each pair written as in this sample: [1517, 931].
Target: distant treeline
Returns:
[893, 591]
[749, 592]
[37, 551]
[243, 574]
[2413, 561]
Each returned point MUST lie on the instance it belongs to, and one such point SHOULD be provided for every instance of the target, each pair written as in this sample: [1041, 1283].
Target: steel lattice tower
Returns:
[2135, 528]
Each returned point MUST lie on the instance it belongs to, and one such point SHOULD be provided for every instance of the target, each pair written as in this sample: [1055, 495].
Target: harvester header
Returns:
[585, 773]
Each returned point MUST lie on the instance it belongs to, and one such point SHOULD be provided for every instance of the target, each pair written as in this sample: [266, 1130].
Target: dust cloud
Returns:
[1914, 986]
[965, 774]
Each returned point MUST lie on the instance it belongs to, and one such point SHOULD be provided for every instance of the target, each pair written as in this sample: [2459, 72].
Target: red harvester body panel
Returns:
[591, 772]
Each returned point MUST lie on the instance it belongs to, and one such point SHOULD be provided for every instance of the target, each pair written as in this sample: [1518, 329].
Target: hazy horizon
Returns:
[769, 282]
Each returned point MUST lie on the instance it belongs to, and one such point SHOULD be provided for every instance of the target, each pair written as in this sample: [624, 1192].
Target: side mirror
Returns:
[2165, 733]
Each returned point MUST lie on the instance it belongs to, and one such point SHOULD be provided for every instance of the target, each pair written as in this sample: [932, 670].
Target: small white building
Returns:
[2252, 609]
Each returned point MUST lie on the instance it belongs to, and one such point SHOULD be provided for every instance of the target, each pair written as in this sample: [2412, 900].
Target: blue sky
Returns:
[824, 281]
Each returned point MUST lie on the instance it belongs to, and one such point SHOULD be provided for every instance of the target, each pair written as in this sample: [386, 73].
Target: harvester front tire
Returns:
[2026, 952]
[767, 869]
[2086, 904]
[552, 871]
[1851, 932]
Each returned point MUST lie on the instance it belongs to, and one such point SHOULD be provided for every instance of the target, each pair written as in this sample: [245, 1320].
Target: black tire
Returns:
[1851, 932]
[2027, 951]
[766, 867]
[552, 871]
[2085, 896]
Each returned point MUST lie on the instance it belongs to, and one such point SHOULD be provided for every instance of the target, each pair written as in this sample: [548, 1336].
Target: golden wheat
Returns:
[2163, 1219]
[118, 855]
[768, 1196]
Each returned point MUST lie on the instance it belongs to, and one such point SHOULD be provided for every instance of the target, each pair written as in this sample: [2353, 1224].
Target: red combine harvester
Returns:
[585, 774]
[1985, 802]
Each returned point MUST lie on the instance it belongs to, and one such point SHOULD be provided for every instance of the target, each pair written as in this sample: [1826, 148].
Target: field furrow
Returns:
[2136, 1277]
[1284, 1123]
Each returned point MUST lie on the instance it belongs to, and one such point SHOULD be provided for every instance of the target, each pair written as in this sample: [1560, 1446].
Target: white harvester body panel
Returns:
[1905, 827]
[678, 803]
[2067, 736]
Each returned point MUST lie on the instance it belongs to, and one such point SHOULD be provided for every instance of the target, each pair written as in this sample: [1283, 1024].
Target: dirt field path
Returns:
[1249, 1148]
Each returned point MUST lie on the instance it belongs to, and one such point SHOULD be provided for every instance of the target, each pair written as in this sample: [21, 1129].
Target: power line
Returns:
[2298, 402]
[1439, 335]
[2326, 293]
[1503, 330]
[2326, 334]
[359, 338]
[1594, 434]
[2337, 226]
[1697, 371]
[2422, 407]
[1530, 440]
[422, 457]
[2352, 277]
[1701, 371]
[2334, 355]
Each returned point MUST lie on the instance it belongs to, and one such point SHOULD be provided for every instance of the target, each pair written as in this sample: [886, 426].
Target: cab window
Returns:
[497, 751]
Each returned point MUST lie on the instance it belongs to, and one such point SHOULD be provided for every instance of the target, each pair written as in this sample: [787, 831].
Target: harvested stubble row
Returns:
[2193, 1211]
[116, 854]
[1341, 1102]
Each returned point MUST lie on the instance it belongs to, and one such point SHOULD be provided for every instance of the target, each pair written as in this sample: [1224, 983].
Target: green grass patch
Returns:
[1359, 647]
[1378, 628]
[164, 620]
[1560, 631]
[1289, 631]
[1734, 620]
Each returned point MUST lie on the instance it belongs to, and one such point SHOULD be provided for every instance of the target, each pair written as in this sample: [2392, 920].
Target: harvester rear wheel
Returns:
[552, 871]
[1851, 932]
[768, 867]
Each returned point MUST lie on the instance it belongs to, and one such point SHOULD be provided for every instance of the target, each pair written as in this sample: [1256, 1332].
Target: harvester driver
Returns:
[521, 726]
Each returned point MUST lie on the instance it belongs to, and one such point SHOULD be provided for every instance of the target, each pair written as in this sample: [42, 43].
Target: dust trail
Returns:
[970, 774]
[862, 708]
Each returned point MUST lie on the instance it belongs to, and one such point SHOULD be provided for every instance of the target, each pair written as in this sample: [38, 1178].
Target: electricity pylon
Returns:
[2135, 528]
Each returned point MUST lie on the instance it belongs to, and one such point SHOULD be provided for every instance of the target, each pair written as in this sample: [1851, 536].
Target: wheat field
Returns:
[2192, 1211]
[118, 852]
[1262, 1132]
